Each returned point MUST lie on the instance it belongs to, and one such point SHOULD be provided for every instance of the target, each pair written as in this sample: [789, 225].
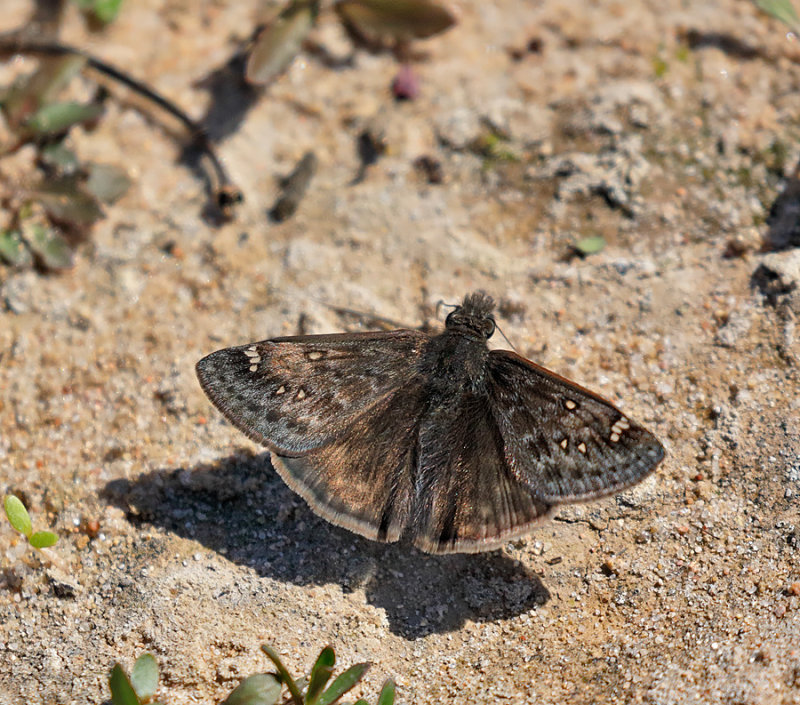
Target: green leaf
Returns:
[13, 250]
[278, 43]
[43, 539]
[107, 182]
[260, 689]
[344, 682]
[144, 676]
[781, 10]
[48, 246]
[401, 20]
[54, 75]
[58, 117]
[66, 202]
[122, 692]
[106, 10]
[590, 245]
[297, 698]
[40, 88]
[320, 674]
[58, 158]
[387, 693]
[362, 701]
[17, 515]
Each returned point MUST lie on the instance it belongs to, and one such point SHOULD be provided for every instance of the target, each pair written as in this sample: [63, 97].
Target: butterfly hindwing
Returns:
[363, 480]
[295, 394]
[467, 499]
[564, 441]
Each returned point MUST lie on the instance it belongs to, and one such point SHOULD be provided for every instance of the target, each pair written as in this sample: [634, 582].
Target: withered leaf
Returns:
[66, 202]
[279, 42]
[401, 20]
[107, 182]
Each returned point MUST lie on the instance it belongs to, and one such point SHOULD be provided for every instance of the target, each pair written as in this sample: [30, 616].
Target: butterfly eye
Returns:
[480, 325]
[451, 317]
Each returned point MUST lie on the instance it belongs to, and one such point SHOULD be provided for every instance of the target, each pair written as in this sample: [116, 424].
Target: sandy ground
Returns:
[669, 128]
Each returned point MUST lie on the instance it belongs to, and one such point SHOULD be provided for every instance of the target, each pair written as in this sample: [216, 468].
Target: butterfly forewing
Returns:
[296, 394]
[564, 441]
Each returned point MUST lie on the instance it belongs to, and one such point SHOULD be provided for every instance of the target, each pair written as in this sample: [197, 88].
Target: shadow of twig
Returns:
[231, 97]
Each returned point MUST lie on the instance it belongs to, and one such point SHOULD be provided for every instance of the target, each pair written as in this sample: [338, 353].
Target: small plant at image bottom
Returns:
[19, 518]
[782, 10]
[266, 688]
[140, 688]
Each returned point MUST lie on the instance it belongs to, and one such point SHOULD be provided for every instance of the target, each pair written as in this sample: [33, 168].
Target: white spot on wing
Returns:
[620, 425]
[252, 353]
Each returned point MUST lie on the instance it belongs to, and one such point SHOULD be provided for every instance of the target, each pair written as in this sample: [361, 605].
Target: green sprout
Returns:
[259, 689]
[494, 147]
[266, 688]
[19, 518]
[781, 10]
[104, 11]
[140, 688]
[589, 245]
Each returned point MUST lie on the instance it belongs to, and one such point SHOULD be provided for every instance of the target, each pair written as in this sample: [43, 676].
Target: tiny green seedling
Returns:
[19, 518]
[589, 245]
[781, 10]
[266, 688]
[140, 688]
[103, 11]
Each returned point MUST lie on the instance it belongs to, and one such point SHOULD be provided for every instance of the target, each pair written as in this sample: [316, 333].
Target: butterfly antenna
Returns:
[505, 337]
[442, 302]
[364, 315]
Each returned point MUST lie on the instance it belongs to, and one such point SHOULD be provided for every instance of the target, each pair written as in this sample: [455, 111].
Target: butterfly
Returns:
[436, 439]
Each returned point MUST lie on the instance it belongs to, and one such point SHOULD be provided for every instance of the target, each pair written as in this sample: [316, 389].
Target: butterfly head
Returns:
[474, 317]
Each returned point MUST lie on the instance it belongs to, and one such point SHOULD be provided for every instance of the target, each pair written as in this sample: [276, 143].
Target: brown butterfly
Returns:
[435, 438]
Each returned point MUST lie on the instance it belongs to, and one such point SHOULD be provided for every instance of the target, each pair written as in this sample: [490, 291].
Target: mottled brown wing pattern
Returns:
[437, 439]
[467, 498]
[565, 442]
[363, 481]
[299, 393]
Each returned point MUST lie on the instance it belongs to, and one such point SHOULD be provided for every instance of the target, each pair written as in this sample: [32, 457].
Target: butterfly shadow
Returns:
[240, 508]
